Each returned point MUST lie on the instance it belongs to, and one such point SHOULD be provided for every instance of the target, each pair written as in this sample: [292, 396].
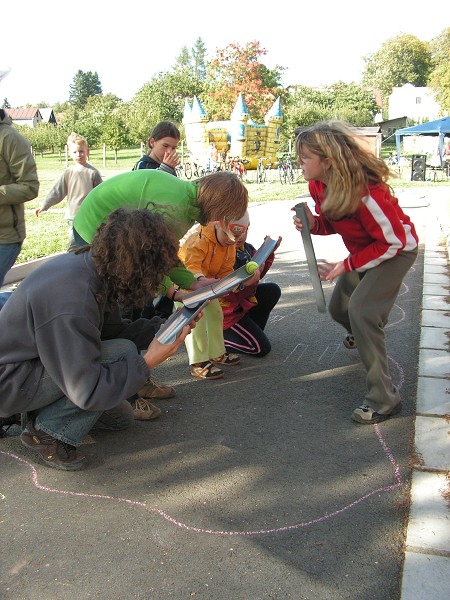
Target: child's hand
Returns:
[329, 271]
[171, 158]
[311, 219]
[203, 282]
[254, 279]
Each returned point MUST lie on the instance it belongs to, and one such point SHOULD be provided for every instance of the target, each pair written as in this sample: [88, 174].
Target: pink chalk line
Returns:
[180, 524]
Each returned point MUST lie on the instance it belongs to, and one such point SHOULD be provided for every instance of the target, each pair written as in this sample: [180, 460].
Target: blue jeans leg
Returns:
[8, 255]
[57, 415]
[3, 298]
[78, 240]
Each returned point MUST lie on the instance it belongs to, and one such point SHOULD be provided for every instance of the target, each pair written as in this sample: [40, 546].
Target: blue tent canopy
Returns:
[439, 127]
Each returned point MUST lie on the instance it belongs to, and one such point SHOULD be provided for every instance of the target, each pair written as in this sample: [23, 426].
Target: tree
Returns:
[83, 86]
[439, 79]
[6, 104]
[440, 48]
[198, 54]
[400, 60]
[160, 99]
[183, 60]
[192, 61]
[352, 103]
[238, 69]
[304, 106]
[108, 118]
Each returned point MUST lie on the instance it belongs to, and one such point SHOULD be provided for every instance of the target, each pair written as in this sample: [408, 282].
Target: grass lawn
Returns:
[47, 234]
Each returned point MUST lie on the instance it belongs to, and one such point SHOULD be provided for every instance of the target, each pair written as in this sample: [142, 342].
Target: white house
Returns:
[416, 103]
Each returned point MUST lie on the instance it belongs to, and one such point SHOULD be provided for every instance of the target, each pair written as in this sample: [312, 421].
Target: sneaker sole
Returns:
[379, 418]
[72, 467]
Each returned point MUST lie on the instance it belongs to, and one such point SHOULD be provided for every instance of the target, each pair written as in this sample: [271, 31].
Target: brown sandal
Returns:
[227, 359]
[206, 370]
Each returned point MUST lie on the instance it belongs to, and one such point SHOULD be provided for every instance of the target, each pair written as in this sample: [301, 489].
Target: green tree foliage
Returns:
[162, 98]
[440, 48]
[346, 101]
[84, 85]
[439, 79]
[402, 59]
[352, 103]
[44, 137]
[183, 60]
[108, 117]
[5, 103]
[238, 69]
[198, 54]
[192, 60]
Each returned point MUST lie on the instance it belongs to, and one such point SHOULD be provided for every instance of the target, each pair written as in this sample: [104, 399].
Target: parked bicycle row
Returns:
[287, 170]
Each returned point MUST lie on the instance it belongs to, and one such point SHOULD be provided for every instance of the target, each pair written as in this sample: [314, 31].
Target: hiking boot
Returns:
[349, 342]
[7, 422]
[154, 390]
[144, 410]
[367, 416]
[54, 453]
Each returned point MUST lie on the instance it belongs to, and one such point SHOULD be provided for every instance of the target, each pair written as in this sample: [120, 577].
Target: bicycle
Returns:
[285, 169]
[193, 169]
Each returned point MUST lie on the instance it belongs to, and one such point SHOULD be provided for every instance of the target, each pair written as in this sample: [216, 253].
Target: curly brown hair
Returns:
[133, 250]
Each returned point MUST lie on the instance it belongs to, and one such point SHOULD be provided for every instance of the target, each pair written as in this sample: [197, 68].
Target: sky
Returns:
[319, 42]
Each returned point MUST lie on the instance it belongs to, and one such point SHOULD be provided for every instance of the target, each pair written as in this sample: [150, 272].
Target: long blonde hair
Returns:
[352, 167]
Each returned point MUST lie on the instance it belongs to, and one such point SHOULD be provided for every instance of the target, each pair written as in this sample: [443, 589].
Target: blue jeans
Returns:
[8, 255]
[77, 239]
[63, 420]
[3, 298]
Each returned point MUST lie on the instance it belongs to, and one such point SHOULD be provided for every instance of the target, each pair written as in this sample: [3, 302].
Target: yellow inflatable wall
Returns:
[239, 137]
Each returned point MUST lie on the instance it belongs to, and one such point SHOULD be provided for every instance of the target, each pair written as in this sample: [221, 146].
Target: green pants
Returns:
[361, 302]
[206, 340]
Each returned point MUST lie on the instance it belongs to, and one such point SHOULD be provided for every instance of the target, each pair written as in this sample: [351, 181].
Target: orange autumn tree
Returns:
[238, 69]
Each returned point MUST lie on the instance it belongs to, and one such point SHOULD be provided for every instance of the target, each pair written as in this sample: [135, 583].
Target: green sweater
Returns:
[176, 200]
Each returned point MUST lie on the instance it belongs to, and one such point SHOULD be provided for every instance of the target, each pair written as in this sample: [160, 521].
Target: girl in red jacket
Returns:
[352, 198]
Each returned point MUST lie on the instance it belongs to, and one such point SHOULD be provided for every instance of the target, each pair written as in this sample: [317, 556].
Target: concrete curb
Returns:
[426, 572]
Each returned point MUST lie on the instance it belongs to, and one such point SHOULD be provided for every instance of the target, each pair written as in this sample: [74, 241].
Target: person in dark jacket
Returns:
[163, 155]
[54, 364]
[246, 311]
[162, 143]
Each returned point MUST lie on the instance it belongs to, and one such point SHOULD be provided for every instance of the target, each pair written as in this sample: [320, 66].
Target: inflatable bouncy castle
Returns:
[239, 137]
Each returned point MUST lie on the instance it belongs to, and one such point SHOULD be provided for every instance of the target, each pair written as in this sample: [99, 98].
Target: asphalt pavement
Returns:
[259, 486]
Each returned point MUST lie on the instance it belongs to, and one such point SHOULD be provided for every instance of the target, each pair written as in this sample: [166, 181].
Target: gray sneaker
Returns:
[154, 390]
[367, 416]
